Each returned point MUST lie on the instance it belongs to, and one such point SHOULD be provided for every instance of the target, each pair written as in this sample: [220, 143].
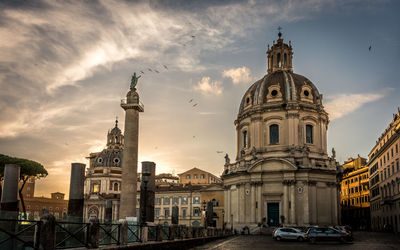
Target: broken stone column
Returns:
[175, 215]
[76, 198]
[48, 232]
[9, 198]
[147, 194]
[108, 211]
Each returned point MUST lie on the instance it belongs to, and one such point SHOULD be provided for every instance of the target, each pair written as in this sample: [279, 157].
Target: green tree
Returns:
[28, 169]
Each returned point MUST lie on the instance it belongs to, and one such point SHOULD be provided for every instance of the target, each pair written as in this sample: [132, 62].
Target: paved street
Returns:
[363, 241]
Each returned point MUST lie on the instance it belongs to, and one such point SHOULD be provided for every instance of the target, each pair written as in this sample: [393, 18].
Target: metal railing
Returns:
[20, 234]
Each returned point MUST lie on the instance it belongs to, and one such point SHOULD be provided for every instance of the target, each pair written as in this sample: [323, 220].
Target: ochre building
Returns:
[354, 194]
[282, 173]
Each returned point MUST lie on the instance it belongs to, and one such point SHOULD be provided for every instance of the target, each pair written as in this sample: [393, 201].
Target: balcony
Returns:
[139, 105]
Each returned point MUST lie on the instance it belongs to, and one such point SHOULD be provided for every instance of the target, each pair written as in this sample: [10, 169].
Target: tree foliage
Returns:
[28, 168]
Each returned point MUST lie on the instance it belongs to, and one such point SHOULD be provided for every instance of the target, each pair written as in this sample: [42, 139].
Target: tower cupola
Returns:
[115, 139]
[280, 55]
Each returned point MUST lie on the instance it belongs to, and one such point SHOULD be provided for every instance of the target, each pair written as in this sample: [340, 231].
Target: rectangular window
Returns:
[387, 156]
[195, 176]
[397, 165]
[196, 200]
[166, 200]
[157, 212]
[184, 200]
[166, 212]
[384, 159]
[397, 149]
[392, 168]
[183, 212]
[158, 201]
[188, 176]
[196, 211]
[202, 176]
[175, 201]
[392, 151]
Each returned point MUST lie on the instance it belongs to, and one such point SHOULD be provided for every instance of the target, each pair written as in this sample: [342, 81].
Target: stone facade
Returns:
[282, 173]
[384, 171]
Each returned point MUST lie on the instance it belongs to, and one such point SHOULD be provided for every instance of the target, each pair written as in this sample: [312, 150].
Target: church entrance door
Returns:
[273, 214]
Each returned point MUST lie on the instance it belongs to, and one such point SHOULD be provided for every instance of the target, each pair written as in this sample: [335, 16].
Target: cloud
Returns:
[344, 104]
[238, 75]
[208, 87]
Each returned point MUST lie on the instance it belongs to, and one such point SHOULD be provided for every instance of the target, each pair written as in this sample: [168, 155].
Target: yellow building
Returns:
[197, 176]
[354, 194]
[215, 194]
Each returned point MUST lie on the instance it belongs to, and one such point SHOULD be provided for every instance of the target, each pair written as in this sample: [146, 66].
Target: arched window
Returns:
[245, 138]
[274, 134]
[278, 59]
[115, 186]
[272, 62]
[285, 59]
[309, 134]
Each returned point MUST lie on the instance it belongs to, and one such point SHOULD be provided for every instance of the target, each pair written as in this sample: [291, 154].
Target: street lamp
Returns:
[204, 213]
[223, 219]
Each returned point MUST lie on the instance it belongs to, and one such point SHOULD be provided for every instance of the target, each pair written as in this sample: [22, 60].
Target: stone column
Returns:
[76, 188]
[132, 107]
[334, 204]
[313, 195]
[293, 203]
[242, 202]
[108, 211]
[286, 202]
[259, 202]
[149, 168]
[9, 198]
[228, 206]
[253, 203]
[306, 205]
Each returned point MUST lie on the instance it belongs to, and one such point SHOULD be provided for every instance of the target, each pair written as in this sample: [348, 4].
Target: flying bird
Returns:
[141, 72]
[194, 105]
[165, 67]
[220, 152]
[194, 136]
[156, 71]
[193, 36]
[370, 47]
[150, 70]
[191, 100]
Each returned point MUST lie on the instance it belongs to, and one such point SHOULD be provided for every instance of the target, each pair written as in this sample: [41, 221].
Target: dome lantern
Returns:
[280, 55]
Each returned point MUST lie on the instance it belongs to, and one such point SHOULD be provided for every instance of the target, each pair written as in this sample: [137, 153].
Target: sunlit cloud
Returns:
[344, 104]
[206, 86]
[239, 75]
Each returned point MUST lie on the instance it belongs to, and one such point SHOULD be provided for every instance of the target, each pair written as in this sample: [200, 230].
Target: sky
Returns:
[65, 66]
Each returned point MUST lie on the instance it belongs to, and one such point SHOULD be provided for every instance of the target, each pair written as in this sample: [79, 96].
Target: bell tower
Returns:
[280, 55]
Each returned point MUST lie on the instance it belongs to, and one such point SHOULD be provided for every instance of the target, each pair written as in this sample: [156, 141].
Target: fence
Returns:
[20, 234]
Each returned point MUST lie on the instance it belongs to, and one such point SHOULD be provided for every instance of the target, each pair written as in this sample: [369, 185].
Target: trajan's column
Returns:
[132, 107]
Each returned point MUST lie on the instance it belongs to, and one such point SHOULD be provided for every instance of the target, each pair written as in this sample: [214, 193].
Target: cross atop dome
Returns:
[280, 55]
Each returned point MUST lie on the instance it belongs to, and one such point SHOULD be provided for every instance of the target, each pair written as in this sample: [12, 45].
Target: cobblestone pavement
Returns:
[362, 241]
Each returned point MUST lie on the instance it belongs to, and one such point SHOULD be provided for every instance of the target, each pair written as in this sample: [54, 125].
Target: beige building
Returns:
[282, 173]
[384, 171]
[197, 176]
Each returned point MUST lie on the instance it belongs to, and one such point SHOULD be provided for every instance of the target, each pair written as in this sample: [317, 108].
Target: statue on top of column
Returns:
[134, 80]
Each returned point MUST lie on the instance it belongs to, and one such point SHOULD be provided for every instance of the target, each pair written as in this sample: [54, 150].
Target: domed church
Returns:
[103, 177]
[282, 174]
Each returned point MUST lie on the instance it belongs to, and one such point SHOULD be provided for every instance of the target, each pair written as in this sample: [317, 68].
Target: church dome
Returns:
[280, 86]
[111, 156]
